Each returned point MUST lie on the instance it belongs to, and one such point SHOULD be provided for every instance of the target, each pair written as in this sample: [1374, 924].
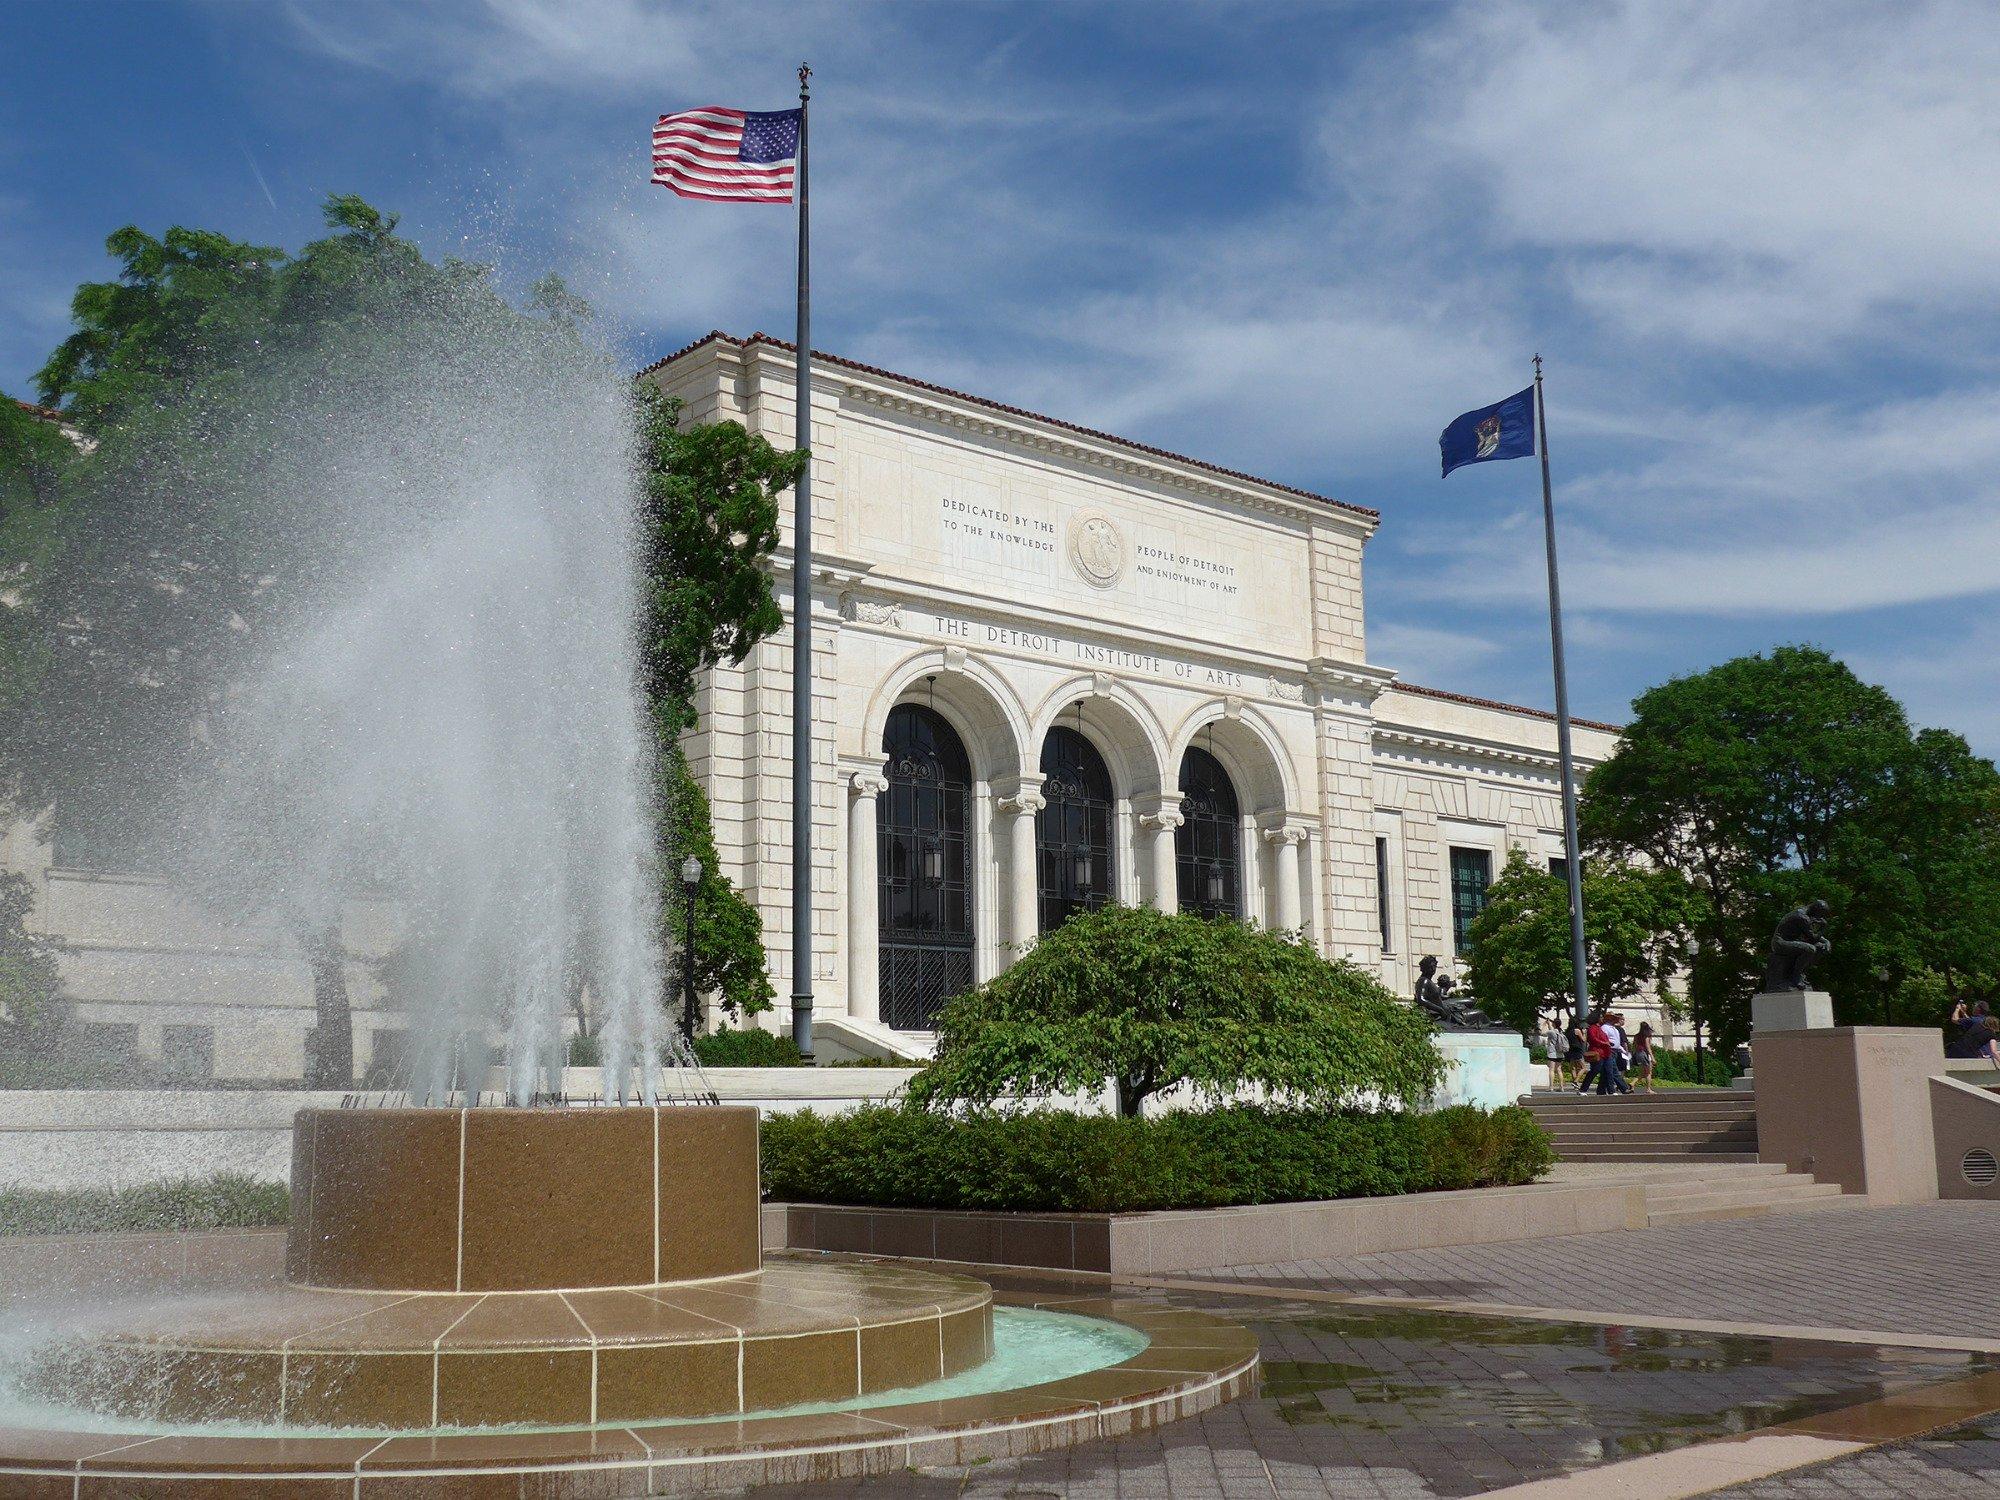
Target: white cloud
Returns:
[1770, 175]
[1427, 655]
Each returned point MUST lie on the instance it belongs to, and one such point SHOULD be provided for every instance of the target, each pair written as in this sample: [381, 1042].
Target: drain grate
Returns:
[1979, 1167]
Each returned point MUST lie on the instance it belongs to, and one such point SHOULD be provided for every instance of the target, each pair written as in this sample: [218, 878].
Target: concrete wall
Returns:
[1202, 1239]
[1965, 1120]
[1851, 1105]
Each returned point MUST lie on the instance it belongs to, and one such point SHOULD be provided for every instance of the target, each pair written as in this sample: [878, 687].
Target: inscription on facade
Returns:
[989, 523]
[1096, 544]
[1087, 653]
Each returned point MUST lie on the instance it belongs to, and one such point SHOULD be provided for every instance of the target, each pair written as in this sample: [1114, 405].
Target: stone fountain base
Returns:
[304, 1356]
[593, 1274]
[551, 1267]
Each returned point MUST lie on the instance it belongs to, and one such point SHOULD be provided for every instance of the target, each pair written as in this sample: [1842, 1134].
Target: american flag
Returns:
[729, 154]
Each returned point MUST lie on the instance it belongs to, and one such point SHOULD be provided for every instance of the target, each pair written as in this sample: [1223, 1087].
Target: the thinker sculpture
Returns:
[1435, 999]
[1799, 942]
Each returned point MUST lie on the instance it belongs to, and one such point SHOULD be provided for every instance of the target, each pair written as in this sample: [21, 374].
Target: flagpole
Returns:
[1578, 957]
[802, 946]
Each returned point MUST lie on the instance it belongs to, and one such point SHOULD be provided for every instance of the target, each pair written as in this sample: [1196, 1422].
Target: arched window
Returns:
[1073, 829]
[1208, 846]
[923, 867]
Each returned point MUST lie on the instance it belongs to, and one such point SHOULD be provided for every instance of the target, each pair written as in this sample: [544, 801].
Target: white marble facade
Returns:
[1011, 574]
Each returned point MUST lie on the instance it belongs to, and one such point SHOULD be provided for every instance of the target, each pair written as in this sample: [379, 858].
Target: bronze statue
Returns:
[1435, 999]
[1800, 940]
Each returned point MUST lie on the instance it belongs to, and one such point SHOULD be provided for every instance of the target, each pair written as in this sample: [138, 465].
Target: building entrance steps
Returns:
[1687, 1194]
[1711, 1125]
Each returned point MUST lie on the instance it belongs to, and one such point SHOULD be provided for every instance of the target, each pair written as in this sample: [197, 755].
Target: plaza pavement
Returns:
[1692, 1357]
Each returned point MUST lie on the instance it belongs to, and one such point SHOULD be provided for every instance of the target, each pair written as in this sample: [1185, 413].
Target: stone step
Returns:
[1788, 1189]
[1643, 1155]
[1648, 1103]
[1666, 1217]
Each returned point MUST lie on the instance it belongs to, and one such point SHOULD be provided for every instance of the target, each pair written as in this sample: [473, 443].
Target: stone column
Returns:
[1024, 909]
[1285, 845]
[864, 998]
[1159, 823]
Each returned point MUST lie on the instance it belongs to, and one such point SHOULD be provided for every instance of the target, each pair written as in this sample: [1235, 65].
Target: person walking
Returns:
[1555, 1052]
[1642, 1055]
[1611, 1079]
[1596, 1051]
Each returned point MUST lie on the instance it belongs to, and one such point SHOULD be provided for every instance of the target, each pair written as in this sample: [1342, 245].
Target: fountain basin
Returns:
[512, 1200]
[305, 1356]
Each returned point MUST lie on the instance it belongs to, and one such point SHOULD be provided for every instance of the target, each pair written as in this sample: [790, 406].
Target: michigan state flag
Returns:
[1504, 430]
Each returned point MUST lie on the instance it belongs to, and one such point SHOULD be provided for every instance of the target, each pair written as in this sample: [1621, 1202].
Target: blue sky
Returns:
[1756, 244]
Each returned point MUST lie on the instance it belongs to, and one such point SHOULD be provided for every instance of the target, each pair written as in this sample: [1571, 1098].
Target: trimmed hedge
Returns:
[1053, 1161]
[1678, 1067]
[225, 1201]
[750, 1047]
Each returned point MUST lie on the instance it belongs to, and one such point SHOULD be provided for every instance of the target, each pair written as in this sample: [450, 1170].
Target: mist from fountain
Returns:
[447, 709]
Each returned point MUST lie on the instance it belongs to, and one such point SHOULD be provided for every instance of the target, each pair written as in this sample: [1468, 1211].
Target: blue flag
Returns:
[1503, 430]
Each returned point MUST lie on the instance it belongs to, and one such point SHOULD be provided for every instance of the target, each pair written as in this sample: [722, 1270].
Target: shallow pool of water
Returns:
[1030, 1347]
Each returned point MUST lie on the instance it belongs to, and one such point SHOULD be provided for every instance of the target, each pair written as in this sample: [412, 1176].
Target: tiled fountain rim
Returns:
[1194, 1361]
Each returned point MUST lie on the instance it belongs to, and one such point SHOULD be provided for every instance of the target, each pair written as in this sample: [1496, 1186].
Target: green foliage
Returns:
[1153, 1001]
[1678, 1067]
[224, 1201]
[1769, 780]
[30, 979]
[1055, 1161]
[1634, 921]
[710, 526]
[729, 963]
[750, 1047]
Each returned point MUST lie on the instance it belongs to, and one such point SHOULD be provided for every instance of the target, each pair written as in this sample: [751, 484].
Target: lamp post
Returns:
[690, 887]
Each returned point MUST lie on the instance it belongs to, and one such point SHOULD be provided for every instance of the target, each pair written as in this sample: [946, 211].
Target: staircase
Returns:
[1694, 1151]
[1708, 1125]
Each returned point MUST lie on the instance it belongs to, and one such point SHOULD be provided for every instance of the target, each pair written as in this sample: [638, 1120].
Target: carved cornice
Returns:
[1456, 748]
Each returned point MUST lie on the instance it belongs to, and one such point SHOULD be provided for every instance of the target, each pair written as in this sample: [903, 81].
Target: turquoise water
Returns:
[1030, 1347]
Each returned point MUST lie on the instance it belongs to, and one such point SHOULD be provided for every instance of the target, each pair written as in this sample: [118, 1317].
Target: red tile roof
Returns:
[1012, 411]
[1511, 708]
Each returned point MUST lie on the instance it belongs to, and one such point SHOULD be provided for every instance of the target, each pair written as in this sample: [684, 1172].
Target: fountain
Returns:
[571, 1291]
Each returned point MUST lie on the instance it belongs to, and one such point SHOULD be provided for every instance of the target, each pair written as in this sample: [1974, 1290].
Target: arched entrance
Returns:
[1208, 846]
[924, 891]
[1073, 829]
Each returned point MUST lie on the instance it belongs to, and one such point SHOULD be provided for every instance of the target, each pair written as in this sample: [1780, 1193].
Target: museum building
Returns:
[1053, 668]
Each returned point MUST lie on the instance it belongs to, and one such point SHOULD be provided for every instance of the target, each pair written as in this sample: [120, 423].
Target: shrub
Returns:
[1152, 1001]
[751, 1047]
[1058, 1161]
[225, 1201]
[1678, 1067]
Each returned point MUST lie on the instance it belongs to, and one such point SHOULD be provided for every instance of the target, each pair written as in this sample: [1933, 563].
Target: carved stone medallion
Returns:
[1097, 548]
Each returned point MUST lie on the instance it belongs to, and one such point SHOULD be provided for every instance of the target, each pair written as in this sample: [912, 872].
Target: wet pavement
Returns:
[1403, 1403]
[1963, 1460]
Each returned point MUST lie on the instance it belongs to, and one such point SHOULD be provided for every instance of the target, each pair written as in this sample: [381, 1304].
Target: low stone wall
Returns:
[114, 1138]
[34, 1267]
[1151, 1244]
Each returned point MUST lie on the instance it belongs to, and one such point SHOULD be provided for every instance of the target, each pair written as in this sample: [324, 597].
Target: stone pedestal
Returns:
[1851, 1105]
[1487, 1068]
[1791, 1010]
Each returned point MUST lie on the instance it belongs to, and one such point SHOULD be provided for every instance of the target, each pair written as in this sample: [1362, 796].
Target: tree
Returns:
[173, 552]
[31, 988]
[1154, 1002]
[1771, 779]
[710, 527]
[1635, 922]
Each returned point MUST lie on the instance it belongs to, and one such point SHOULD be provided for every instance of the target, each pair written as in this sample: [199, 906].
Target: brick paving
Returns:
[1365, 1404]
[1869, 1269]
[1964, 1461]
